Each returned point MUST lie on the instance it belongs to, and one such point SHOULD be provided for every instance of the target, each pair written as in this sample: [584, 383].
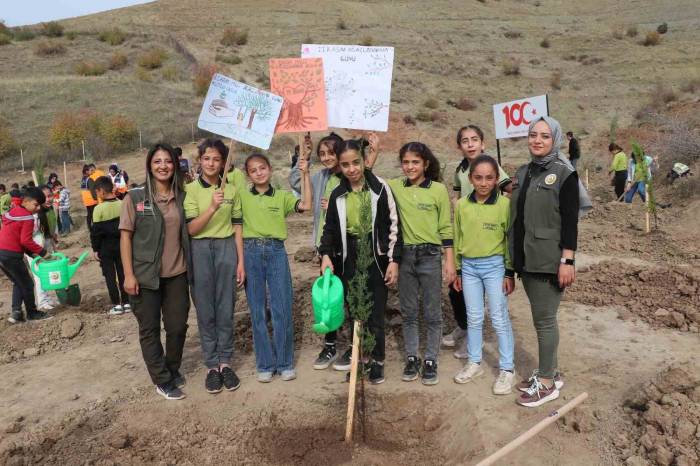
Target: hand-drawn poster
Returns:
[300, 82]
[240, 112]
[358, 84]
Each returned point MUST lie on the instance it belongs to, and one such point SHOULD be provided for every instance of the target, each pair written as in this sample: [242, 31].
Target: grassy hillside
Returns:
[445, 51]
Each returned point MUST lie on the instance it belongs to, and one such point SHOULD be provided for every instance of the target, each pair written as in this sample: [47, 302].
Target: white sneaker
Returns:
[264, 377]
[45, 307]
[116, 310]
[288, 374]
[450, 340]
[462, 352]
[127, 308]
[504, 383]
[469, 372]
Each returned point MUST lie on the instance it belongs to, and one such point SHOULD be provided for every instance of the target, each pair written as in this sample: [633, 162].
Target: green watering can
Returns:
[327, 298]
[55, 273]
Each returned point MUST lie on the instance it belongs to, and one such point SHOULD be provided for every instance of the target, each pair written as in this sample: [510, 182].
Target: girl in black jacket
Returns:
[338, 248]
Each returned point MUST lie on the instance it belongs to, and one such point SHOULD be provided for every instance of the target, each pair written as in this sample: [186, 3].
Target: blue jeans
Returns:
[66, 222]
[638, 187]
[479, 274]
[267, 267]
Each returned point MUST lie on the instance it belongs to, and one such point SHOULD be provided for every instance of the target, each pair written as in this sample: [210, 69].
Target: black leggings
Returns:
[114, 274]
[620, 181]
[458, 307]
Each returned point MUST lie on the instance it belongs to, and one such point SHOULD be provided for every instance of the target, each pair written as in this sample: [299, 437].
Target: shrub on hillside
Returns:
[367, 41]
[118, 61]
[71, 35]
[5, 39]
[511, 67]
[23, 34]
[113, 36]
[230, 59]
[431, 103]
[545, 43]
[118, 132]
[662, 28]
[202, 79]
[632, 31]
[423, 116]
[47, 48]
[617, 35]
[692, 86]
[465, 104]
[513, 34]
[52, 29]
[143, 74]
[153, 58]
[652, 38]
[409, 120]
[67, 131]
[340, 24]
[4, 29]
[234, 36]
[89, 68]
[555, 80]
[170, 73]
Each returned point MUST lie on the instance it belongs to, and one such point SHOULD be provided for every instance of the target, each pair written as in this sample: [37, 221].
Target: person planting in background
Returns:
[105, 244]
[155, 252]
[574, 149]
[214, 220]
[339, 240]
[638, 173]
[424, 211]
[86, 195]
[471, 143]
[15, 241]
[63, 208]
[120, 181]
[618, 169]
[544, 212]
[265, 210]
[481, 224]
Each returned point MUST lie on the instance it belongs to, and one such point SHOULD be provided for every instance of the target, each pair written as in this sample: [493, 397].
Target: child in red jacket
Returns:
[15, 241]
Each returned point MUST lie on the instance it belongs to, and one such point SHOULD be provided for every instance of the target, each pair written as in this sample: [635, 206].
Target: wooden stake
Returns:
[36, 183]
[353, 379]
[648, 214]
[588, 186]
[302, 154]
[140, 145]
[83, 144]
[21, 158]
[227, 165]
[65, 174]
[534, 430]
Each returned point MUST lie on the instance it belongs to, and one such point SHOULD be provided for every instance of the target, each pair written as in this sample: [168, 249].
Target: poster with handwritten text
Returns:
[300, 82]
[358, 84]
[240, 112]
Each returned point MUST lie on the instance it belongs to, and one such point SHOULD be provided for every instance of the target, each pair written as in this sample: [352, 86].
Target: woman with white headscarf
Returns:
[546, 202]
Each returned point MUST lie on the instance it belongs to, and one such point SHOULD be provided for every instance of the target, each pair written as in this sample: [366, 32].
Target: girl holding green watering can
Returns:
[155, 250]
[339, 240]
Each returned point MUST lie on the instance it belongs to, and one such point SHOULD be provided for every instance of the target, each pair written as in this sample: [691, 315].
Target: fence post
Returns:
[140, 145]
[83, 144]
[65, 174]
[21, 157]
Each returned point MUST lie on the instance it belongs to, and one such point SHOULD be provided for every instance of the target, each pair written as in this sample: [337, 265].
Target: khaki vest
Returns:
[149, 234]
[542, 219]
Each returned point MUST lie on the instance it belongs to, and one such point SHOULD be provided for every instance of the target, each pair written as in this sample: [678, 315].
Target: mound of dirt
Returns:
[661, 296]
[665, 416]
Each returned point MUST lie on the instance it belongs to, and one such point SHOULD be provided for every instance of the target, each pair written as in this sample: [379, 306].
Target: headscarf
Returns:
[584, 199]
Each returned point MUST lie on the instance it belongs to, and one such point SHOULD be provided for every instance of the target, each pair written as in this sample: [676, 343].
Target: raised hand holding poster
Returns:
[300, 82]
[240, 112]
[358, 84]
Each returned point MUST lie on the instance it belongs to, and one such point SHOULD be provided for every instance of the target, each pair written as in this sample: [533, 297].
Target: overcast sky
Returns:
[21, 12]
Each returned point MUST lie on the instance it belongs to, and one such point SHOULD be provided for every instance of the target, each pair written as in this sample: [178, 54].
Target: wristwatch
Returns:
[567, 261]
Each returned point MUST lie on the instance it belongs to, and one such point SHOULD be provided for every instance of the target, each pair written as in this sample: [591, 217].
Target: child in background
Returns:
[15, 195]
[266, 266]
[323, 183]
[15, 240]
[636, 179]
[340, 239]
[5, 200]
[481, 222]
[214, 221]
[426, 226]
[45, 234]
[618, 169]
[105, 243]
[63, 208]
[470, 141]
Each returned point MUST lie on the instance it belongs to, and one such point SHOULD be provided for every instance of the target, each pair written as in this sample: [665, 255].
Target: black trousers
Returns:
[90, 209]
[172, 302]
[378, 294]
[459, 308]
[113, 272]
[22, 284]
[620, 181]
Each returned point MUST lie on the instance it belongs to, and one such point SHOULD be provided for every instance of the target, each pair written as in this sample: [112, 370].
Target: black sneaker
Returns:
[412, 369]
[38, 315]
[376, 373]
[213, 383]
[430, 375]
[179, 380]
[362, 370]
[230, 379]
[16, 317]
[327, 355]
[169, 391]
[343, 362]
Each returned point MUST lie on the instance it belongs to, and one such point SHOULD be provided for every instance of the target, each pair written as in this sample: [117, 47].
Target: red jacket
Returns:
[16, 233]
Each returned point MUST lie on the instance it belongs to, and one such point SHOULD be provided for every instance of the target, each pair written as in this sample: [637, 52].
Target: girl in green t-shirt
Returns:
[214, 223]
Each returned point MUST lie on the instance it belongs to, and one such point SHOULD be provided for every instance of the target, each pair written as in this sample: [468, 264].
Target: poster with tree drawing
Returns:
[300, 82]
[241, 112]
[358, 84]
